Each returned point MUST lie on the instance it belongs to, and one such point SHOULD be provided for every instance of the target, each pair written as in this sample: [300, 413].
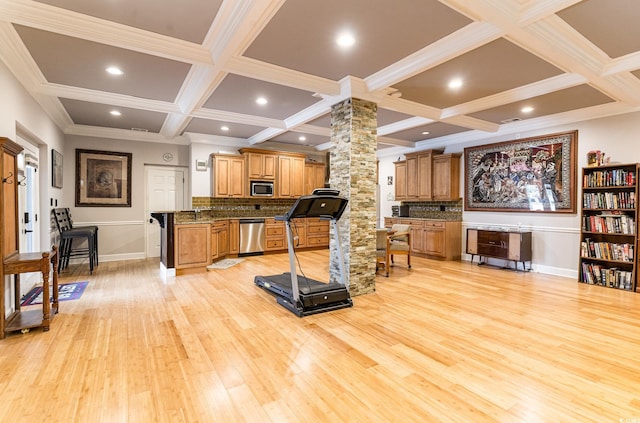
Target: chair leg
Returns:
[409, 260]
[386, 266]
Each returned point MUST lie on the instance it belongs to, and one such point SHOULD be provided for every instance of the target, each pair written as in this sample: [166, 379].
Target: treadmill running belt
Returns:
[313, 294]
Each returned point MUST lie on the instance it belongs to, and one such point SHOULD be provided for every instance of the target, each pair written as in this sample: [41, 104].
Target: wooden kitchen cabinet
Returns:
[274, 235]
[234, 236]
[433, 237]
[446, 177]
[425, 172]
[290, 179]
[401, 180]
[261, 165]
[193, 245]
[314, 176]
[219, 239]
[317, 232]
[299, 228]
[228, 177]
[414, 176]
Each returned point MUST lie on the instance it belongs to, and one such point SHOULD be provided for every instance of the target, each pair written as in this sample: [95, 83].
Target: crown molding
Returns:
[76, 25]
[121, 134]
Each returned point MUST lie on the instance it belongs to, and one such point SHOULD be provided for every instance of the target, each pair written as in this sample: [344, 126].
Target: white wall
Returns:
[21, 115]
[555, 236]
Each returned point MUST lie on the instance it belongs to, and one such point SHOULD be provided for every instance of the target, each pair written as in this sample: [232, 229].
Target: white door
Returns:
[165, 191]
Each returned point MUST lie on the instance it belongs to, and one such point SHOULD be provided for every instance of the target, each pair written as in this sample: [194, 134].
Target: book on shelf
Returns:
[609, 200]
[612, 277]
[609, 178]
[609, 223]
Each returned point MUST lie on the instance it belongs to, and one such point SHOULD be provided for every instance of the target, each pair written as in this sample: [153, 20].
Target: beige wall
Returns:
[122, 229]
[555, 236]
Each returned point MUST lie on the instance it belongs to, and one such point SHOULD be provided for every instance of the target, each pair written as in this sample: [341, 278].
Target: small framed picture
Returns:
[56, 169]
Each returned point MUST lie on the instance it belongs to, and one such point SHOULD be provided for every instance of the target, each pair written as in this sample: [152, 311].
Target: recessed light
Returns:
[302, 138]
[527, 109]
[114, 70]
[345, 39]
[426, 133]
[115, 113]
[455, 83]
[224, 128]
[261, 101]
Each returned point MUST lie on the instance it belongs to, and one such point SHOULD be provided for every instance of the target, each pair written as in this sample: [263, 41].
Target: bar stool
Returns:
[69, 233]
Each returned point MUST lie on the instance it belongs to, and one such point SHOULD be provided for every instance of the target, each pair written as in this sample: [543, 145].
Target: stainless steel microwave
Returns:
[261, 188]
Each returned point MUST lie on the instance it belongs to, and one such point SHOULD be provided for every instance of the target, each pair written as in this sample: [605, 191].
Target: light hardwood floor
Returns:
[443, 342]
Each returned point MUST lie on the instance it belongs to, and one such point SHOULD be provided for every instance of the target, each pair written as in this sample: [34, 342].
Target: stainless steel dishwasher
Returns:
[251, 237]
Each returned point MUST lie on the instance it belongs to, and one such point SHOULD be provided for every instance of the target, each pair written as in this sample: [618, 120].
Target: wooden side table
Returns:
[18, 263]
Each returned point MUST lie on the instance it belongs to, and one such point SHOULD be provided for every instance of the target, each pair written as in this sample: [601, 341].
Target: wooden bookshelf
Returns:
[609, 230]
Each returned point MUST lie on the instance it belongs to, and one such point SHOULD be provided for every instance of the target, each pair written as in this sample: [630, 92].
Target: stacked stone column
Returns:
[353, 172]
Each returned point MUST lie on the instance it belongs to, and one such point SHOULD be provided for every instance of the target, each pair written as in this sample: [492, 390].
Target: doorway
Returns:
[165, 191]
[28, 208]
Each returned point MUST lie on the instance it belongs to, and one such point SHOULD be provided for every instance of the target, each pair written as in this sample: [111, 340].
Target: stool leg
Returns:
[91, 254]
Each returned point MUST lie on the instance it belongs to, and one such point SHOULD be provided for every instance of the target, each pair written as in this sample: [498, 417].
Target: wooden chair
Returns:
[69, 234]
[399, 242]
[396, 241]
[382, 258]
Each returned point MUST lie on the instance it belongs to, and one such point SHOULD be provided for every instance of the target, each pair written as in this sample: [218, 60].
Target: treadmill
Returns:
[301, 295]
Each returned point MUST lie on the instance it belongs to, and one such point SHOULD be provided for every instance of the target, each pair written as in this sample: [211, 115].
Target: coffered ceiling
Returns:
[194, 68]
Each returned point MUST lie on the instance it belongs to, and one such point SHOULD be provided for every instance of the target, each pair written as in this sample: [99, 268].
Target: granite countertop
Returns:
[453, 218]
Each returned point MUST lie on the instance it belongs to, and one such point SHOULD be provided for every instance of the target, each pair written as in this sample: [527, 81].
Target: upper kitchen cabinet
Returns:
[290, 180]
[228, 176]
[314, 176]
[414, 176]
[446, 177]
[261, 164]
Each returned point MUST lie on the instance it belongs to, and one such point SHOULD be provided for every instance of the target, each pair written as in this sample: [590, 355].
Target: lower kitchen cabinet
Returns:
[433, 237]
[317, 232]
[192, 245]
[219, 239]
[274, 235]
[234, 236]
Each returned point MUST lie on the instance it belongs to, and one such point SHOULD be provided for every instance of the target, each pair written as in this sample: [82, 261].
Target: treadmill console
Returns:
[323, 203]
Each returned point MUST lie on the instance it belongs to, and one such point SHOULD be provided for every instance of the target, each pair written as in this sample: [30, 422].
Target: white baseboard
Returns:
[534, 267]
[110, 257]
